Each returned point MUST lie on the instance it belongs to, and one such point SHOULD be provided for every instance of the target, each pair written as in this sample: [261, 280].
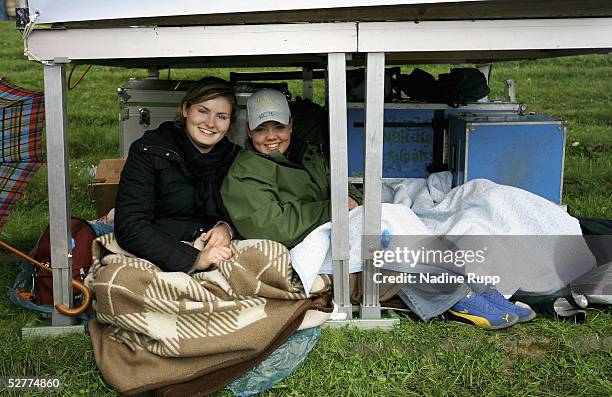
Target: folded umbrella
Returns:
[72, 312]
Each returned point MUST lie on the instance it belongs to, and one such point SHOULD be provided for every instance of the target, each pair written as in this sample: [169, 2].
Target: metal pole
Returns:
[307, 85]
[510, 91]
[59, 184]
[336, 82]
[373, 151]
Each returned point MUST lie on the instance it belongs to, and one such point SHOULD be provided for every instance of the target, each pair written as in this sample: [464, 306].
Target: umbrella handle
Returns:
[71, 312]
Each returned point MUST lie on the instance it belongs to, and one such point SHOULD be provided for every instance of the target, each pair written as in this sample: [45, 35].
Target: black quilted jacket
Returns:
[155, 206]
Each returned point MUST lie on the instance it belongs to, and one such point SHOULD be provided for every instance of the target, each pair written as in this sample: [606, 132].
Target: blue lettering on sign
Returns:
[407, 142]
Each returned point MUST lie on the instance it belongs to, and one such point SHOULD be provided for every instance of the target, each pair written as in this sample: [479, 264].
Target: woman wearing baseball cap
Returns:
[279, 185]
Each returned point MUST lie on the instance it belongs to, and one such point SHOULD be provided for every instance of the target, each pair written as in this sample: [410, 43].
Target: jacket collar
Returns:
[275, 155]
[160, 142]
[280, 158]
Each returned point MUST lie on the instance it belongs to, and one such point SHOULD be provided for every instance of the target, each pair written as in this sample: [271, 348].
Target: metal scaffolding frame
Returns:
[291, 44]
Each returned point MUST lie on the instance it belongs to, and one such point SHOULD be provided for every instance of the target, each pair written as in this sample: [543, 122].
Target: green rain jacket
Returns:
[271, 197]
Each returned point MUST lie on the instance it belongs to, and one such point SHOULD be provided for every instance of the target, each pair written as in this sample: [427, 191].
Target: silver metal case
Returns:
[144, 105]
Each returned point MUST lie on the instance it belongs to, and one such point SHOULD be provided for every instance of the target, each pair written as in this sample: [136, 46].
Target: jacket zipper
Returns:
[164, 149]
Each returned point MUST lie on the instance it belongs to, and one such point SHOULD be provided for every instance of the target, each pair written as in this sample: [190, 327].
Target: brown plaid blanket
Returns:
[155, 328]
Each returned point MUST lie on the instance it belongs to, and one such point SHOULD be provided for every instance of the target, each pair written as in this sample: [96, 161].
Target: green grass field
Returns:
[542, 358]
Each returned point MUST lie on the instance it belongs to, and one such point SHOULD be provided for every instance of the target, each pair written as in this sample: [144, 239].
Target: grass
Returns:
[543, 358]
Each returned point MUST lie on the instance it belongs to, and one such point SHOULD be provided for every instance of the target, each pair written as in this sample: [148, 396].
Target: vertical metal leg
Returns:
[336, 80]
[510, 91]
[374, 110]
[58, 179]
[307, 87]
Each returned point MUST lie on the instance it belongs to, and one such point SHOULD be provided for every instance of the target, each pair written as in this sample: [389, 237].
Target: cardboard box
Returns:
[105, 184]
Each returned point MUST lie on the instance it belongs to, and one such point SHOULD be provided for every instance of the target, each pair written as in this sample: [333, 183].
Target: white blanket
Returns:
[478, 207]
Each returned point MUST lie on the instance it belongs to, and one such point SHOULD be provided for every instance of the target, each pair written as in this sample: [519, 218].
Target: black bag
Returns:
[355, 84]
[462, 85]
[563, 304]
[310, 123]
[418, 85]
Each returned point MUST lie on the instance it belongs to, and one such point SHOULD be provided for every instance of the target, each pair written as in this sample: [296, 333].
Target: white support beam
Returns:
[193, 41]
[372, 189]
[486, 35]
[338, 147]
[59, 188]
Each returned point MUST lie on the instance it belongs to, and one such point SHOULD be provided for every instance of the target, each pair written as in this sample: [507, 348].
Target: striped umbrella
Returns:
[22, 114]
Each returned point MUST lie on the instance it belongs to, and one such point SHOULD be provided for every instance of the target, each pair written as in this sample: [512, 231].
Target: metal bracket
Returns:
[510, 91]
[60, 61]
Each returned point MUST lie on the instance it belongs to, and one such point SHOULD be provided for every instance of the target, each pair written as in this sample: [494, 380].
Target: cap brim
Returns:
[282, 118]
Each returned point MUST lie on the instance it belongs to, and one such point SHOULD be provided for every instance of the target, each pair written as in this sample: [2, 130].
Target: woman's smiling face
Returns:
[270, 136]
[207, 122]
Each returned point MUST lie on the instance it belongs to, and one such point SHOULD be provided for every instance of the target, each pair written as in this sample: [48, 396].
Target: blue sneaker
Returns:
[478, 311]
[524, 313]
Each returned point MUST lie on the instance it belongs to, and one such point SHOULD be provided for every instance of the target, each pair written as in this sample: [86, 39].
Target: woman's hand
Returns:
[212, 256]
[218, 236]
[352, 203]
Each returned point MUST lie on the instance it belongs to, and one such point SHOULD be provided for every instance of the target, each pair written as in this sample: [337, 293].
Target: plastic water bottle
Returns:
[385, 238]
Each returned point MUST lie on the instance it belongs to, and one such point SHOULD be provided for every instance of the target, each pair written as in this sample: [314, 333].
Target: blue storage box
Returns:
[408, 140]
[408, 135]
[525, 151]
